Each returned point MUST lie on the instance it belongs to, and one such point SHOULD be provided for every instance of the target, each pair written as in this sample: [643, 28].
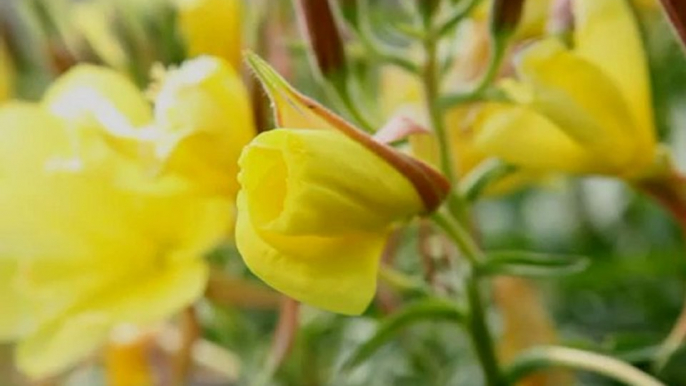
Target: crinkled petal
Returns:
[336, 274]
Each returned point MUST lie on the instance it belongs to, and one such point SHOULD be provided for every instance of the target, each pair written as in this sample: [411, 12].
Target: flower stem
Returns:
[477, 325]
[449, 221]
[431, 75]
[553, 356]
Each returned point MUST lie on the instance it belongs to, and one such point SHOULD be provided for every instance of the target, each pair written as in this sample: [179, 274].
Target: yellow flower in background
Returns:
[203, 114]
[402, 95]
[318, 200]
[212, 27]
[84, 247]
[582, 110]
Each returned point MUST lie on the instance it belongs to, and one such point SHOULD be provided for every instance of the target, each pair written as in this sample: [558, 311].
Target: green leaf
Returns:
[673, 368]
[430, 309]
[486, 173]
[531, 264]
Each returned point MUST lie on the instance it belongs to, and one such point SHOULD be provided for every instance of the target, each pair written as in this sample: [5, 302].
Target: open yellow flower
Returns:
[84, 247]
[318, 199]
[211, 27]
[582, 110]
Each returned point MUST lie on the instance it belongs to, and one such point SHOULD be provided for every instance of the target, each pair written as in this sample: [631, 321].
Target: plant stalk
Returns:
[554, 356]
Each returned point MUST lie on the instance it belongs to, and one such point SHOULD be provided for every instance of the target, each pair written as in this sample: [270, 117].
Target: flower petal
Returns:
[90, 95]
[61, 345]
[599, 120]
[607, 35]
[319, 182]
[336, 274]
[522, 137]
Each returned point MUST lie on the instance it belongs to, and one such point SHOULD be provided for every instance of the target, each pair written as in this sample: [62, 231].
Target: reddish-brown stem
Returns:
[285, 333]
[676, 10]
[190, 332]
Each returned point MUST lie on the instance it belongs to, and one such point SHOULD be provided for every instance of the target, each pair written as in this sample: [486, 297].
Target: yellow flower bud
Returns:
[212, 27]
[318, 201]
[314, 212]
[585, 110]
[203, 114]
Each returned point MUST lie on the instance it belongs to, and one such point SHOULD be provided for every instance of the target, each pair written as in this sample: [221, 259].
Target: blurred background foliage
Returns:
[622, 304]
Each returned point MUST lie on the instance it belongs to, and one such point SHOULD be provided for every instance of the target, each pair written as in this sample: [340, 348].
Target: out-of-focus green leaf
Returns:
[531, 264]
[430, 309]
[488, 172]
[673, 371]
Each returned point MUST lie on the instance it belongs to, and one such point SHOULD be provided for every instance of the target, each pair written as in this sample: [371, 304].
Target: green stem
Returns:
[380, 51]
[431, 77]
[478, 327]
[498, 49]
[481, 336]
[460, 236]
[553, 356]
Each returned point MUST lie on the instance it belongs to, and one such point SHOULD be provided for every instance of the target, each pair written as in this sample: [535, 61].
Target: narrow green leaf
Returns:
[430, 309]
[486, 173]
[531, 264]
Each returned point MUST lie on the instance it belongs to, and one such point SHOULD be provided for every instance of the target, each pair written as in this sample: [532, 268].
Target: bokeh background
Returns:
[622, 304]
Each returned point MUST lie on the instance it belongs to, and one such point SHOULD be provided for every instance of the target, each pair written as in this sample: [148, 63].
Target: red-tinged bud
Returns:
[676, 10]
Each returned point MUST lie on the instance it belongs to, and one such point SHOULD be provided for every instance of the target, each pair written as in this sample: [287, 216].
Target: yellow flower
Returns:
[80, 252]
[212, 27]
[402, 95]
[318, 199]
[202, 111]
[315, 210]
[582, 110]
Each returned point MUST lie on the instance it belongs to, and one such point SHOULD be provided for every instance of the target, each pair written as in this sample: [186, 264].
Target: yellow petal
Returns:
[607, 35]
[61, 345]
[14, 308]
[522, 137]
[89, 96]
[337, 274]
[212, 27]
[153, 296]
[314, 213]
[294, 110]
[31, 141]
[599, 120]
[203, 113]
[322, 183]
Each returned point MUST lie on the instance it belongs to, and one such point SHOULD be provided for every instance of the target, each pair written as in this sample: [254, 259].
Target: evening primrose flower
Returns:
[583, 110]
[81, 252]
[318, 199]
[211, 27]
